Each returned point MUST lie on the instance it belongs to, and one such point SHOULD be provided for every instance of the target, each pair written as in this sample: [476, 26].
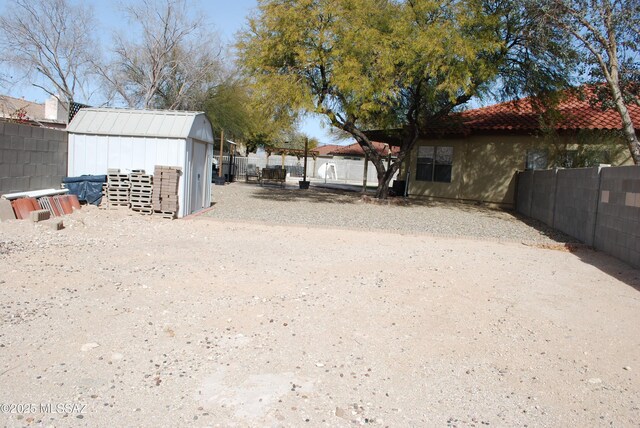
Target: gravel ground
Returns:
[319, 207]
[129, 320]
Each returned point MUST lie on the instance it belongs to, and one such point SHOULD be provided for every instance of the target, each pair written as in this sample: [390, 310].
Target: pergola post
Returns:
[366, 171]
[221, 150]
[306, 147]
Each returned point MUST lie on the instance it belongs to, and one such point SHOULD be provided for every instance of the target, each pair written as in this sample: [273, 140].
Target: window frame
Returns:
[534, 159]
[434, 166]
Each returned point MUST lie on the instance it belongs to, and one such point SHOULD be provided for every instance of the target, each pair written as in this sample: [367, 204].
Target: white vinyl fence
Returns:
[327, 170]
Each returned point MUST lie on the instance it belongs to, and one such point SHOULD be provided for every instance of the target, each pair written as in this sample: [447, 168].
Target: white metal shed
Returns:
[103, 138]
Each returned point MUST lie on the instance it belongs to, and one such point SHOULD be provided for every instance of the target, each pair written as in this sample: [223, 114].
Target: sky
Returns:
[227, 17]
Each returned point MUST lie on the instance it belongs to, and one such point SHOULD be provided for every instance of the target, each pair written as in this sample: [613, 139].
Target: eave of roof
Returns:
[354, 150]
[519, 117]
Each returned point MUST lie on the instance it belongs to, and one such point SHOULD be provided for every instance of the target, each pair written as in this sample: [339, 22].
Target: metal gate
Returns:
[239, 169]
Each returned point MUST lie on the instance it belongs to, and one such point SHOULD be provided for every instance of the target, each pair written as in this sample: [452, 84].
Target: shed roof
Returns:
[142, 123]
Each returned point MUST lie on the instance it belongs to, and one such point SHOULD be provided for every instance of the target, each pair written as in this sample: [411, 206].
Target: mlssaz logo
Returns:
[63, 408]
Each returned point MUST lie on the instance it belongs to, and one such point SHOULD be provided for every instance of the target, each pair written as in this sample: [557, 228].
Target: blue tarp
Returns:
[88, 188]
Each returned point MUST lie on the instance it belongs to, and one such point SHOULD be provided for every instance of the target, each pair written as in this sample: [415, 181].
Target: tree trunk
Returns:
[384, 174]
[382, 191]
[627, 126]
[384, 180]
[612, 75]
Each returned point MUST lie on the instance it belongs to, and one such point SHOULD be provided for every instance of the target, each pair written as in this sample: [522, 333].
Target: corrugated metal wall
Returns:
[94, 154]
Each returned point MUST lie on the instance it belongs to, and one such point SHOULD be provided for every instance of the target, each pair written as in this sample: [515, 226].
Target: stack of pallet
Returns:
[118, 186]
[141, 191]
[104, 200]
[165, 190]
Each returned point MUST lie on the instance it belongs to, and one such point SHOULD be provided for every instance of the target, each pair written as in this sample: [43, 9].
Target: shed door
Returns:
[198, 176]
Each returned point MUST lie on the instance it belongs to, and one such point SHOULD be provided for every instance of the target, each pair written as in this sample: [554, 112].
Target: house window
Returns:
[434, 163]
[536, 159]
[567, 159]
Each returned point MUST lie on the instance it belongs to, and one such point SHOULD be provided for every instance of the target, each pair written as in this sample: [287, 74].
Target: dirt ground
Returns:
[126, 320]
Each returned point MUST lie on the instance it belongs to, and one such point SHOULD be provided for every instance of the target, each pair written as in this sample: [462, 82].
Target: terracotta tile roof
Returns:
[326, 149]
[353, 149]
[522, 116]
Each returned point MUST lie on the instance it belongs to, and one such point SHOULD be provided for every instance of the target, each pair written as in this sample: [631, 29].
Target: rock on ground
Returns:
[220, 322]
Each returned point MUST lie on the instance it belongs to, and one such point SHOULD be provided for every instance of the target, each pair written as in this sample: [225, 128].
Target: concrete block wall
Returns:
[31, 158]
[598, 206]
[618, 225]
[543, 196]
[576, 202]
[523, 195]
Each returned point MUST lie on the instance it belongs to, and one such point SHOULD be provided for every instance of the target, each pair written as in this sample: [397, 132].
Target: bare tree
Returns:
[606, 32]
[50, 42]
[174, 60]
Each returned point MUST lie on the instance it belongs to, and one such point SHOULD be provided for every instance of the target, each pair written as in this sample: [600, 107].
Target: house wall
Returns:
[31, 158]
[484, 169]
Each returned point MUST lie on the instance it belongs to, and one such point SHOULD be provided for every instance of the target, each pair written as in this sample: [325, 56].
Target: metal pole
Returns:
[406, 183]
[221, 149]
[306, 145]
[232, 152]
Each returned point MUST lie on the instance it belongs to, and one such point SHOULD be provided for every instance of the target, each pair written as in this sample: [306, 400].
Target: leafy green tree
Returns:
[295, 139]
[231, 107]
[534, 59]
[259, 140]
[590, 148]
[372, 63]
[282, 139]
[228, 106]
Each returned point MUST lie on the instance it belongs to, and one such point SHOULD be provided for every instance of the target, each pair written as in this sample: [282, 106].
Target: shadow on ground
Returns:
[545, 230]
[610, 265]
[341, 194]
[317, 195]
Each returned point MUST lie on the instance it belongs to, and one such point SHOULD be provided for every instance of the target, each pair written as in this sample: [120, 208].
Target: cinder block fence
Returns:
[598, 206]
[31, 158]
